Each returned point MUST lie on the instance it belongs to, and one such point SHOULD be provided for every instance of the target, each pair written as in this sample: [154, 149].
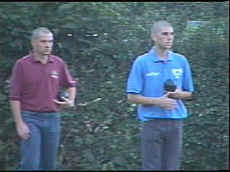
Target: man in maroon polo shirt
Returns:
[36, 80]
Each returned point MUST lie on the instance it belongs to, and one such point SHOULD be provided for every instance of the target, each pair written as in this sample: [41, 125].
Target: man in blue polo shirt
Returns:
[162, 112]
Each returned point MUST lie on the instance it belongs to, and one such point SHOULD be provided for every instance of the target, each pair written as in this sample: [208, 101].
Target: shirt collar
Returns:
[157, 59]
[50, 59]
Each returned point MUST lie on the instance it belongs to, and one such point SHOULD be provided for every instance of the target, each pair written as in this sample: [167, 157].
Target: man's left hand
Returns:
[177, 94]
[65, 103]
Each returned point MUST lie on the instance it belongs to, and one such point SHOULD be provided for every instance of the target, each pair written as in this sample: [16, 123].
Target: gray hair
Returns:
[158, 25]
[38, 32]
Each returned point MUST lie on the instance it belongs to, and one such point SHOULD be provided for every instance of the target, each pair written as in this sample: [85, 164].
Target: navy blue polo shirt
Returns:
[147, 78]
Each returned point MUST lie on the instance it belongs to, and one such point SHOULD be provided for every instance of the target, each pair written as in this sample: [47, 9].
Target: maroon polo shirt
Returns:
[36, 85]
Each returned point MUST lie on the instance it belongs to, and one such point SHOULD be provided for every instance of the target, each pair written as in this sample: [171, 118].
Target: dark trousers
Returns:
[161, 144]
[39, 152]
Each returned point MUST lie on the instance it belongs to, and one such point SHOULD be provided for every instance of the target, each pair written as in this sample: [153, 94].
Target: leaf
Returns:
[66, 7]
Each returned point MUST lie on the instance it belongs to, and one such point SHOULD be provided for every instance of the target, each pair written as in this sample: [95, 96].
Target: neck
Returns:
[42, 58]
[162, 53]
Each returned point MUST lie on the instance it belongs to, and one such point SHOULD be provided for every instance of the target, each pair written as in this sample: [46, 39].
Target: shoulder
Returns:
[179, 57]
[57, 59]
[24, 60]
[142, 58]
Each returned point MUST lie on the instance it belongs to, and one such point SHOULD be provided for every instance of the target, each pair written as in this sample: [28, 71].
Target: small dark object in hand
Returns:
[62, 94]
[169, 86]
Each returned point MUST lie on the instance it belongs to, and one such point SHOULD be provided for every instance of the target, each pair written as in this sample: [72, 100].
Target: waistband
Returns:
[41, 114]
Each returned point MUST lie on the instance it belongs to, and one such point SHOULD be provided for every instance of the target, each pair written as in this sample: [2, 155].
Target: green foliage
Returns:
[99, 41]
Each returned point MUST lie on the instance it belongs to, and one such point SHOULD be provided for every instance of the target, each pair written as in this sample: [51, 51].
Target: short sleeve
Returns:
[135, 79]
[187, 79]
[67, 80]
[16, 82]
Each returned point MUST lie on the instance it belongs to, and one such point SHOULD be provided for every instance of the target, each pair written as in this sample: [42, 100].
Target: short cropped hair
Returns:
[38, 32]
[158, 25]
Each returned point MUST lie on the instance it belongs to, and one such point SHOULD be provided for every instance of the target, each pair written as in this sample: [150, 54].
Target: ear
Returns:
[33, 43]
[153, 37]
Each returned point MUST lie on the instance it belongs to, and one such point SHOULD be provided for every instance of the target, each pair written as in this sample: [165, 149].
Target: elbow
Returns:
[130, 98]
[190, 96]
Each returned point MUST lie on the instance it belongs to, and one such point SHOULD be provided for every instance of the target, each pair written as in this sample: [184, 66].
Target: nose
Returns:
[170, 36]
[48, 44]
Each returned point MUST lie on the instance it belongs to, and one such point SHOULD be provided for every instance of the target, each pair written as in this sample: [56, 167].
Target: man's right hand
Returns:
[167, 103]
[23, 130]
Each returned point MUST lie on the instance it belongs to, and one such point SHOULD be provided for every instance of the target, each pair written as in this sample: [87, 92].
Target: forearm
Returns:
[186, 95]
[72, 93]
[16, 110]
[183, 95]
[21, 127]
[162, 102]
[139, 99]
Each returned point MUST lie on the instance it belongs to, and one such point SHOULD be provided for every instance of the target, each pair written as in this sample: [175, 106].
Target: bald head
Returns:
[157, 26]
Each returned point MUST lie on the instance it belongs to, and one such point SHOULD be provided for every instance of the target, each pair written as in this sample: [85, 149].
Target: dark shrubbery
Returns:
[99, 41]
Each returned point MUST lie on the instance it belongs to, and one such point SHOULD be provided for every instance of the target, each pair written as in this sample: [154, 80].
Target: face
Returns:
[164, 38]
[43, 45]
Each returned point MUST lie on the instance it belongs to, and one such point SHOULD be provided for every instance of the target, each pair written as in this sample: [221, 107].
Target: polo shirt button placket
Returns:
[164, 63]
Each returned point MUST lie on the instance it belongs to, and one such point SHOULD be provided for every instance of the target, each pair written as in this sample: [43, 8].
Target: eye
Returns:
[168, 33]
[44, 41]
[165, 33]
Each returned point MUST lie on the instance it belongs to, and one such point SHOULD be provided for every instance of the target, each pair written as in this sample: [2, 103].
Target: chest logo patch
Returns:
[153, 74]
[177, 72]
[54, 74]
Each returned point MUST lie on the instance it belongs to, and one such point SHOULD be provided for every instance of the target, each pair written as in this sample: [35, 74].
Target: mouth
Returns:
[47, 51]
[168, 44]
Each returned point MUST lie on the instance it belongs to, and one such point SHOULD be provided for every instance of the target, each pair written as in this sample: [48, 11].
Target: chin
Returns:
[47, 53]
[168, 47]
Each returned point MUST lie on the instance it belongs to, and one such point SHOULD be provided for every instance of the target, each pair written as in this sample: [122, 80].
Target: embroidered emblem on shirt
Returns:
[153, 74]
[177, 72]
[54, 74]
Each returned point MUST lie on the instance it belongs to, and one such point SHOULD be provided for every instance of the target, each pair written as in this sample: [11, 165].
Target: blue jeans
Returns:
[161, 144]
[39, 152]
